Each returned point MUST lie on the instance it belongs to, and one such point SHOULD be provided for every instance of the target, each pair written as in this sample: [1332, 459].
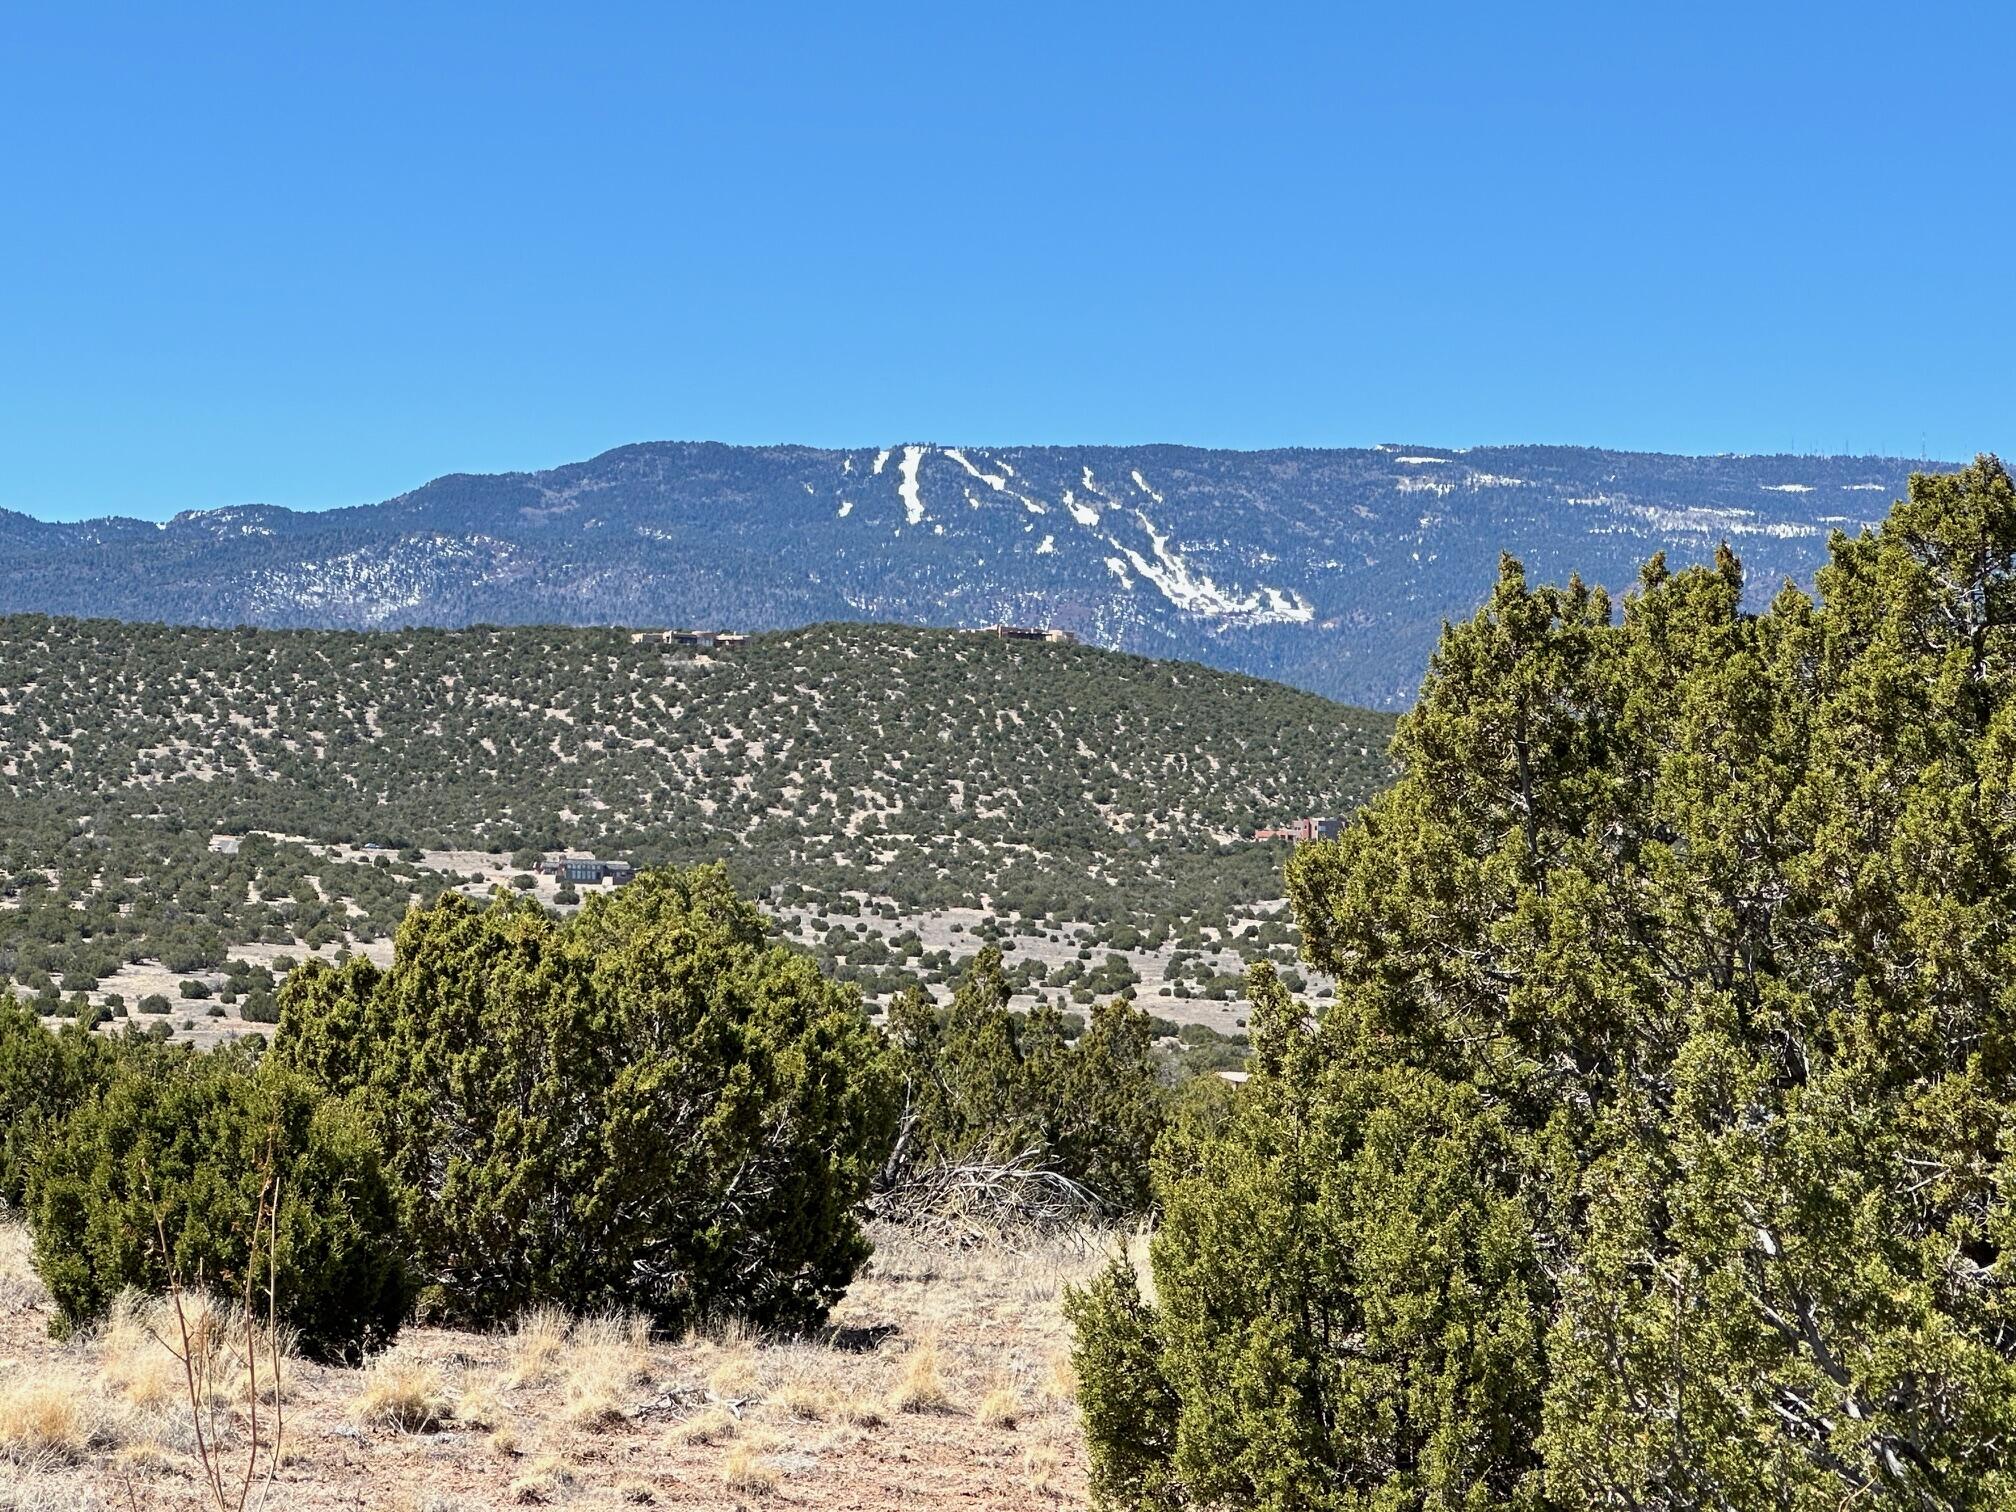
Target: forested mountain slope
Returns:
[1329, 569]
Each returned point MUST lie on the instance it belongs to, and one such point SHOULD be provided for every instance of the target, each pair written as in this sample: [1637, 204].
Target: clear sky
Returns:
[258, 254]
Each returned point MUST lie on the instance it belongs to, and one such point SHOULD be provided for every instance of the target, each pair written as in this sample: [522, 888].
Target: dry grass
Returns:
[402, 1394]
[140, 1362]
[944, 1380]
[1042, 1471]
[1001, 1407]
[606, 1359]
[533, 1490]
[860, 1411]
[48, 1421]
[921, 1385]
[536, 1342]
[710, 1425]
[745, 1472]
[801, 1397]
[1059, 1387]
[545, 1481]
[734, 1377]
[480, 1406]
[20, 1288]
[134, 1362]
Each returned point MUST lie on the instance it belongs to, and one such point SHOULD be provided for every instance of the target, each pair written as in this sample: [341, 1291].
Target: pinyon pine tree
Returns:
[1657, 1151]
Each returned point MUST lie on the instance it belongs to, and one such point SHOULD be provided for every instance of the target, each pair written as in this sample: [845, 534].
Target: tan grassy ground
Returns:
[943, 1382]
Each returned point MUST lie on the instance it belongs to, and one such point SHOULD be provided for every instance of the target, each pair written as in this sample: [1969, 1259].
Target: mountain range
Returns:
[1331, 569]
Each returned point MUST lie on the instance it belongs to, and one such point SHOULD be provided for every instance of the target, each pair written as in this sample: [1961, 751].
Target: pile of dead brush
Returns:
[966, 1203]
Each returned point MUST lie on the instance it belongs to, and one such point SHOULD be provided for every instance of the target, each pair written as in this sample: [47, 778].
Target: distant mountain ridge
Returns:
[1332, 569]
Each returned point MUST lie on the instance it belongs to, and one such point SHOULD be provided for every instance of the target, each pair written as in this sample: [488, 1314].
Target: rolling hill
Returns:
[920, 771]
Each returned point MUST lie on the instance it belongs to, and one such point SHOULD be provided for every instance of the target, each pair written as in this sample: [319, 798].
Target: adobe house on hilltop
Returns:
[1302, 831]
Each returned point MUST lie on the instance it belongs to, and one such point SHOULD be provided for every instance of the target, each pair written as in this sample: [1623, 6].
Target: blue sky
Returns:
[258, 254]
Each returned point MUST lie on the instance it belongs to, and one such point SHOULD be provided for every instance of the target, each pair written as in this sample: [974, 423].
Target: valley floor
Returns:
[942, 1381]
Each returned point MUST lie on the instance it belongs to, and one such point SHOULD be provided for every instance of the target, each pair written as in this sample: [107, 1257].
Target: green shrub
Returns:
[643, 1106]
[189, 987]
[190, 1137]
[43, 1076]
[1117, 1353]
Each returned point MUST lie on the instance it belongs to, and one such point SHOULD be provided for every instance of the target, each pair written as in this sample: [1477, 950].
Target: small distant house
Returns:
[1302, 831]
[589, 870]
[1033, 633]
[706, 640]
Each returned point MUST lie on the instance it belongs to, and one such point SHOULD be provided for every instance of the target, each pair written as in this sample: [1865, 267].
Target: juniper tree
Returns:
[646, 1106]
[1655, 1150]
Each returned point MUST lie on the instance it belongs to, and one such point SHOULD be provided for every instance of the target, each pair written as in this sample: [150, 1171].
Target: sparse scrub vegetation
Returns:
[1091, 787]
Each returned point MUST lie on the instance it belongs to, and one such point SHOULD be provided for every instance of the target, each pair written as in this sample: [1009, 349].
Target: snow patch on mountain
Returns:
[881, 461]
[1701, 520]
[913, 502]
[1084, 514]
[1195, 592]
[996, 481]
[377, 585]
[1142, 484]
[992, 480]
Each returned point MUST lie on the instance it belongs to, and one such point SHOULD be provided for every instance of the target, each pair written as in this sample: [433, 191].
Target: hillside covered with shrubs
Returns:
[933, 768]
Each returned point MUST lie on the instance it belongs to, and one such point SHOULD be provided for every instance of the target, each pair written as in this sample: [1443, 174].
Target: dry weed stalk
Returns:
[230, 1490]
